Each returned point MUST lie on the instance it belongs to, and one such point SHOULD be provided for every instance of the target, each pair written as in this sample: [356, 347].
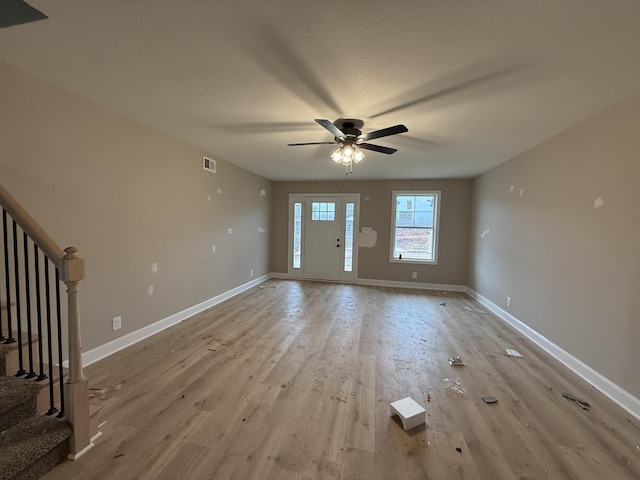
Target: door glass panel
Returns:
[348, 237]
[297, 233]
[323, 211]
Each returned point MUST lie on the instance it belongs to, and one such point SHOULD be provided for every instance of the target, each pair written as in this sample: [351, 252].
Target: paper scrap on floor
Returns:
[514, 353]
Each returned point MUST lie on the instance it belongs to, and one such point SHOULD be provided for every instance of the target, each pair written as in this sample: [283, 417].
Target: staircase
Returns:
[31, 443]
[44, 408]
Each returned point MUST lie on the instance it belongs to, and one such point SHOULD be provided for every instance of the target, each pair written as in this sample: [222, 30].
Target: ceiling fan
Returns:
[346, 131]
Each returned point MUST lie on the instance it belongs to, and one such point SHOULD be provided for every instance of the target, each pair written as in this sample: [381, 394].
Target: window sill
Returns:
[413, 261]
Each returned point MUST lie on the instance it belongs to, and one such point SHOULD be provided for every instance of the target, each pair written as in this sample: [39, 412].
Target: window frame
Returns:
[435, 228]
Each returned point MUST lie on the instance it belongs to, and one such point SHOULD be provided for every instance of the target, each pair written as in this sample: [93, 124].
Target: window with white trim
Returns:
[414, 226]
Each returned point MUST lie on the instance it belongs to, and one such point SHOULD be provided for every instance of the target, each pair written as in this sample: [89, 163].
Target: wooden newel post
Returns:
[77, 386]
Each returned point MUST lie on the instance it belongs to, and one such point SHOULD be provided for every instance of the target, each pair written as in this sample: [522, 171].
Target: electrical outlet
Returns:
[252, 273]
[508, 301]
[414, 275]
[117, 323]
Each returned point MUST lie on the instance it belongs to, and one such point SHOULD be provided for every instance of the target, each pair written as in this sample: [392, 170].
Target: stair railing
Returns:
[20, 290]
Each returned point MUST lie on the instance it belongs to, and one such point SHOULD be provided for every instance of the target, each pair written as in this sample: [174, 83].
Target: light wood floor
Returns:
[294, 381]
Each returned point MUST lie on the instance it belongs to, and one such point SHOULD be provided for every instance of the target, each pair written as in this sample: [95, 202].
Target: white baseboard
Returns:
[278, 275]
[620, 396]
[388, 283]
[75, 456]
[129, 339]
[422, 286]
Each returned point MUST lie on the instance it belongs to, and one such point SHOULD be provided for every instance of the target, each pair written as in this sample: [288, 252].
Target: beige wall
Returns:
[572, 270]
[375, 212]
[128, 196]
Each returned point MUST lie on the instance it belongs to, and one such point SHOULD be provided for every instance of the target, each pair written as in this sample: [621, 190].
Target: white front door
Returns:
[323, 236]
[323, 242]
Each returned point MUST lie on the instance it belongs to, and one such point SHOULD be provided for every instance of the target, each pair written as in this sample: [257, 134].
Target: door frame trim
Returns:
[347, 277]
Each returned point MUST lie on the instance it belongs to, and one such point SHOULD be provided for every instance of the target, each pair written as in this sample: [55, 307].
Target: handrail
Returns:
[71, 268]
[31, 227]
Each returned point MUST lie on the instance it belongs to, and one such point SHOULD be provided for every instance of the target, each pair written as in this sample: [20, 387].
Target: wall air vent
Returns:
[209, 164]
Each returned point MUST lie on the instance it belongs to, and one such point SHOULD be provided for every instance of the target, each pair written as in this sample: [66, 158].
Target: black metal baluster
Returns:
[16, 275]
[41, 376]
[52, 408]
[9, 337]
[60, 371]
[2, 337]
[27, 282]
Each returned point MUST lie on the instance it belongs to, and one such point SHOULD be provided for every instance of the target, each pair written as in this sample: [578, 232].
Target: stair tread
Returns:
[14, 391]
[7, 349]
[24, 443]
[24, 337]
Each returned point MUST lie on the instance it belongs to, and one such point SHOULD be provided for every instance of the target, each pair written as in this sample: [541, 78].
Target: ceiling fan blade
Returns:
[335, 131]
[385, 132]
[311, 143]
[17, 12]
[377, 148]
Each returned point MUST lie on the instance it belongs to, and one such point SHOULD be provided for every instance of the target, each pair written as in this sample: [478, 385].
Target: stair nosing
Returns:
[18, 451]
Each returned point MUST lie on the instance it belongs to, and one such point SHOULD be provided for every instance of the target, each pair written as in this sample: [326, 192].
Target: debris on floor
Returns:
[581, 403]
[456, 361]
[444, 304]
[454, 385]
[103, 392]
[489, 399]
[98, 392]
[410, 412]
[459, 449]
[514, 353]
[476, 311]
[428, 398]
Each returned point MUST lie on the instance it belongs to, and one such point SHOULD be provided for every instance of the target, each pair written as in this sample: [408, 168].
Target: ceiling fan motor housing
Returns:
[350, 127]
[350, 131]
[347, 131]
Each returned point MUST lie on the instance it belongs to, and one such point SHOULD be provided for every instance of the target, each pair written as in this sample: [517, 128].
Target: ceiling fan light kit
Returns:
[347, 132]
[347, 156]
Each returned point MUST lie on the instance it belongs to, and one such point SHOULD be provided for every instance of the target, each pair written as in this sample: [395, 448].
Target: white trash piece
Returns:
[410, 412]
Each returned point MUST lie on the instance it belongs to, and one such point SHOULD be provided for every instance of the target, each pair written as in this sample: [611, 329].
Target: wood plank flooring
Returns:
[293, 381]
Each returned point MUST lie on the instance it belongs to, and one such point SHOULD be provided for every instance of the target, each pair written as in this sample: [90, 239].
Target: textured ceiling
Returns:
[476, 83]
